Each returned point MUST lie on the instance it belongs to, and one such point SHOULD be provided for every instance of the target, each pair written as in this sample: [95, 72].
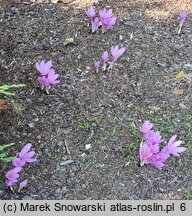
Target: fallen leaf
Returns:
[178, 91]
[180, 74]
[54, 1]
[69, 41]
[125, 59]
[3, 105]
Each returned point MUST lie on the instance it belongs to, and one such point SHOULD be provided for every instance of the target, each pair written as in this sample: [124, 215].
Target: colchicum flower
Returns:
[12, 176]
[95, 24]
[52, 78]
[22, 185]
[43, 67]
[153, 137]
[97, 65]
[173, 146]
[116, 52]
[47, 77]
[105, 56]
[145, 127]
[106, 19]
[145, 154]
[150, 152]
[182, 18]
[24, 156]
[90, 12]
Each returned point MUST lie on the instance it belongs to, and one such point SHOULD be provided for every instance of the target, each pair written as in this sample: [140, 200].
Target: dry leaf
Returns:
[54, 1]
[180, 74]
[69, 41]
[178, 91]
[3, 105]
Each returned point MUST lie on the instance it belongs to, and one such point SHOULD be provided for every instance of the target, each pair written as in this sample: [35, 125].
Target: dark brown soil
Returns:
[104, 109]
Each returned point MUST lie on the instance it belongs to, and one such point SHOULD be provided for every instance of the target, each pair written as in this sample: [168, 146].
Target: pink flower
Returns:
[97, 65]
[173, 146]
[152, 137]
[110, 23]
[23, 184]
[106, 18]
[104, 14]
[90, 12]
[116, 52]
[164, 153]
[47, 77]
[12, 176]
[95, 24]
[43, 67]
[43, 81]
[146, 126]
[157, 161]
[145, 154]
[50, 80]
[52, 77]
[105, 56]
[24, 156]
[182, 17]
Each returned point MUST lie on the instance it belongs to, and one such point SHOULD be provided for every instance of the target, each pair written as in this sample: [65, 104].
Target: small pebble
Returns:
[87, 146]
[62, 163]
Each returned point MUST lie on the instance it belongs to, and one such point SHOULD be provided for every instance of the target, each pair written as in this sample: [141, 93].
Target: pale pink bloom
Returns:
[23, 184]
[116, 52]
[146, 126]
[12, 176]
[90, 12]
[44, 67]
[24, 156]
[95, 24]
[173, 146]
[105, 56]
[145, 154]
[97, 65]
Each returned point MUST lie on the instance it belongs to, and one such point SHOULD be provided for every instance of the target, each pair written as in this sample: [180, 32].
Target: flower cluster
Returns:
[24, 156]
[47, 77]
[115, 52]
[150, 152]
[106, 19]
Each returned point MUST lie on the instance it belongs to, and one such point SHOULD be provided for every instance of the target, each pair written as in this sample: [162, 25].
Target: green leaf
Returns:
[7, 87]
[7, 159]
[6, 93]
[2, 155]
[6, 146]
[69, 41]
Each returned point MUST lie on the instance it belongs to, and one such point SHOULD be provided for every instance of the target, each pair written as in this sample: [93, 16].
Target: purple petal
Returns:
[18, 162]
[182, 16]
[29, 155]
[172, 139]
[25, 149]
[48, 65]
[97, 65]
[31, 160]
[23, 184]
